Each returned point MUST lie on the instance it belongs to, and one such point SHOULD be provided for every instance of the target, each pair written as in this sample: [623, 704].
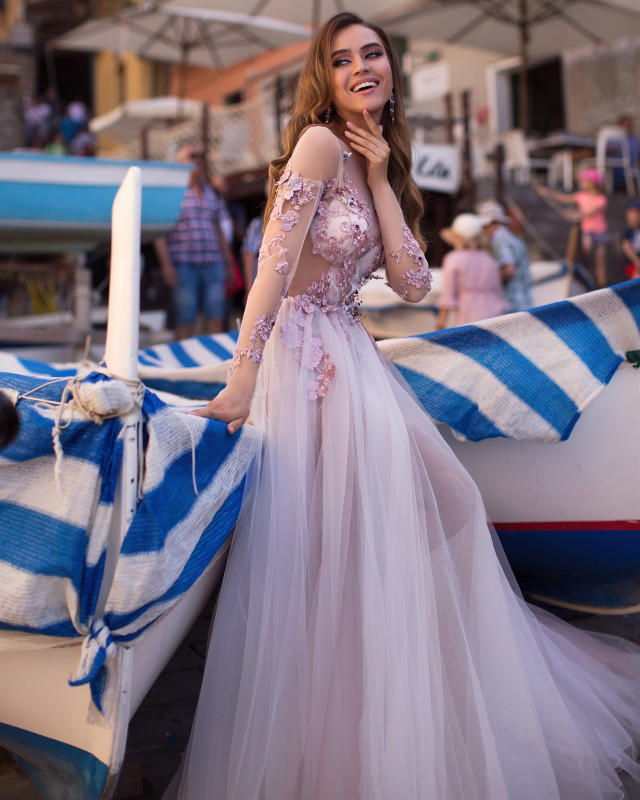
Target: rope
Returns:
[72, 399]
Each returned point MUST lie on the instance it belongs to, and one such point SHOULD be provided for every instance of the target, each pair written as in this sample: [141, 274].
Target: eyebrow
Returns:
[364, 47]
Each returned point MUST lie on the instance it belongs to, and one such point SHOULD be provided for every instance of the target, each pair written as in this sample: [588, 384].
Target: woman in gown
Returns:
[367, 643]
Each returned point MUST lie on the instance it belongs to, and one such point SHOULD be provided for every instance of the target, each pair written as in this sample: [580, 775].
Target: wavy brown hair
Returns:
[314, 96]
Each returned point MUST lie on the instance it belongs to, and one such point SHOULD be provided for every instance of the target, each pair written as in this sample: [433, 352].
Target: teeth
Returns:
[365, 85]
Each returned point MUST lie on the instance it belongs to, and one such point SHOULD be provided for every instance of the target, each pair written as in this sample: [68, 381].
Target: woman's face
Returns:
[362, 77]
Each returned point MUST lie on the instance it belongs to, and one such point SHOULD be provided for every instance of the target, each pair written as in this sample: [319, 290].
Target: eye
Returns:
[374, 54]
[340, 61]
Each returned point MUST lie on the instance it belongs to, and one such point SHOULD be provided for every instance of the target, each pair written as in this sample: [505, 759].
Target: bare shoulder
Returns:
[319, 137]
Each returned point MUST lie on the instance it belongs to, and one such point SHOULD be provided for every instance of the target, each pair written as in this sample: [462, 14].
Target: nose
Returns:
[360, 65]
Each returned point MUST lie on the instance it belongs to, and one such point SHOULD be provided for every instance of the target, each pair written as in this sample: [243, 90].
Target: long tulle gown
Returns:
[367, 642]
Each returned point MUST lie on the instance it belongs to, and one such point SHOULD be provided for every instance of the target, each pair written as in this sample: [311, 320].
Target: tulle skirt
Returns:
[367, 642]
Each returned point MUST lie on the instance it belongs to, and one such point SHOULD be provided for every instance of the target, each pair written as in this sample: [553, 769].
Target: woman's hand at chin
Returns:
[370, 143]
[229, 406]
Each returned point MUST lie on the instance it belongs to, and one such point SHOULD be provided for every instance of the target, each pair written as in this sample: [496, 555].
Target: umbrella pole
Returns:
[523, 117]
[205, 140]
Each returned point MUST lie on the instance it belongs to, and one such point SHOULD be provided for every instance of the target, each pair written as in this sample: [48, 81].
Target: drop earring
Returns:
[392, 107]
[327, 116]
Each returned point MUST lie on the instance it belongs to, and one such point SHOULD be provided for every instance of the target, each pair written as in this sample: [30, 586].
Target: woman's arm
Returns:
[408, 273]
[298, 193]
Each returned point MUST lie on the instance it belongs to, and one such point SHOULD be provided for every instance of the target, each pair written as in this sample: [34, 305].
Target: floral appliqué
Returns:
[308, 349]
[421, 277]
[258, 336]
[298, 191]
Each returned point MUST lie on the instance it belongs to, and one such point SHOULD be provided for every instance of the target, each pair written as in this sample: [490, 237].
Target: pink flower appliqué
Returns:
[319, 387]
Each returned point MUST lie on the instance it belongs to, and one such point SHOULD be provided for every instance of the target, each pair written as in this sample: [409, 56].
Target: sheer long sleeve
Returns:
[408, 272]
[314, 160]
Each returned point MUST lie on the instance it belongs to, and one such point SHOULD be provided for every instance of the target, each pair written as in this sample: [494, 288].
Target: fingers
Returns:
[364, 143]
[370, 130]
[209, 413]
[205, 411]
[375, 129]
[236, 424]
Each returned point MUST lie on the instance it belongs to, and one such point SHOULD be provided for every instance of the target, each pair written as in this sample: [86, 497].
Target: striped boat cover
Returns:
[56, 509]
[528, 375]
[523, 376]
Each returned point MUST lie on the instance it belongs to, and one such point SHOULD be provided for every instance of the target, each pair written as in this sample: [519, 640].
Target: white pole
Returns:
[121, 352]
[121, 357]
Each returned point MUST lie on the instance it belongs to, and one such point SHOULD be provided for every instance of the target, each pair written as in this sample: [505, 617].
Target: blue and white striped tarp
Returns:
[528, 375]
[54, 527]
[523, 376]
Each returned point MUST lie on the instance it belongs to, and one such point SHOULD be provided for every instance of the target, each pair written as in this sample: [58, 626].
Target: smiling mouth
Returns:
[363, 86]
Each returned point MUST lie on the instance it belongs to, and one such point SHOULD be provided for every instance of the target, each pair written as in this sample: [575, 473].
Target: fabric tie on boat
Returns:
[98, 651]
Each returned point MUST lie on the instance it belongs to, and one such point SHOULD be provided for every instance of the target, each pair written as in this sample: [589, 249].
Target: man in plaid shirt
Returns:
[196, 256]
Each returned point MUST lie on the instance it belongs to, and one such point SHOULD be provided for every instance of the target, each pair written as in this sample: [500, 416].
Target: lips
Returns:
[362, 86]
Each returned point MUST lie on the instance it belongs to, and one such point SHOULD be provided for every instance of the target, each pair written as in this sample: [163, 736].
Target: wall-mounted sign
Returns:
[437, 167]
[430, 81]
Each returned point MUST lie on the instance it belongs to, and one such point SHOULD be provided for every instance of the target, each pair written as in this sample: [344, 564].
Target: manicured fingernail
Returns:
[349, 124]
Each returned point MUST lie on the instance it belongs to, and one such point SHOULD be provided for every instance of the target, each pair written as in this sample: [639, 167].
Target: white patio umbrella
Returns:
[529, 28]
[164, 31]
[126, 121]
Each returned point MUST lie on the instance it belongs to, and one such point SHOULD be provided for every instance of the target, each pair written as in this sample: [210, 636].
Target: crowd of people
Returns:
[57, 128]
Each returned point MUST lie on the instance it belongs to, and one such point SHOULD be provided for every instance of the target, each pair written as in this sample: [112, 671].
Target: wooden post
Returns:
[277, 99]
[499, 162]
[448, 117]
[467, 191]
[205, 141]
[523, 103]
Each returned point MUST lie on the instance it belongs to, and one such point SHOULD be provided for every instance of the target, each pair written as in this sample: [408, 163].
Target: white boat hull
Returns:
[568, 513]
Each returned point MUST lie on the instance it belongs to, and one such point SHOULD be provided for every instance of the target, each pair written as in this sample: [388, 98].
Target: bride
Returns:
[367, 642]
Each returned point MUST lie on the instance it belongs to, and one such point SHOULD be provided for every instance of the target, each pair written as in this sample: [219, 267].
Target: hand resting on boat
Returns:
[230, 406]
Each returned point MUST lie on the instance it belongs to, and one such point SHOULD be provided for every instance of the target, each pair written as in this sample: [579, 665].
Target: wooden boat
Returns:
[63, 203]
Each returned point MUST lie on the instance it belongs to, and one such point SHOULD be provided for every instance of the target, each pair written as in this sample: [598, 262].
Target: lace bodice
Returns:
[322, 243]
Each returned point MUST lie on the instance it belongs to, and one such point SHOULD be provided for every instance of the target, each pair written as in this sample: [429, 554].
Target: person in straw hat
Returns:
[511, 254]
[471, 282]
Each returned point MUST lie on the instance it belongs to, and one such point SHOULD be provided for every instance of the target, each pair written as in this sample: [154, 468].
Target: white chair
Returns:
[561, 170]
[616, 136]
[480, 164]
[517, 161]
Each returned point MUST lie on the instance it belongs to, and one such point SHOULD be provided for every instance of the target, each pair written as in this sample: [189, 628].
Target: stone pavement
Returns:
[160, 728]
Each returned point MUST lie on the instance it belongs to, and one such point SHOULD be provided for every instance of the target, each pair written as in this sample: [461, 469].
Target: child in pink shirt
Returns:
[592, 206]
[471, 280]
